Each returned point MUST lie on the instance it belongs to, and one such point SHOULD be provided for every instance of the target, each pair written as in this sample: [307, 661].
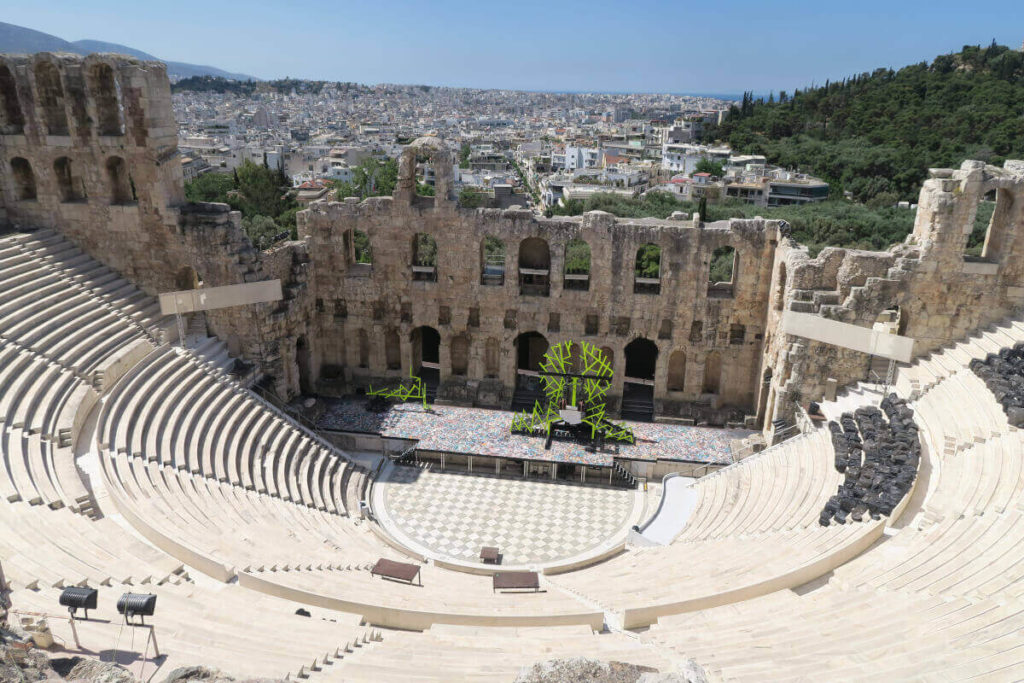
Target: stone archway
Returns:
[426, 355]
[641, 357]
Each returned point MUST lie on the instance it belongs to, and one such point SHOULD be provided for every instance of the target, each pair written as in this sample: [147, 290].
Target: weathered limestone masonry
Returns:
[371, 318]
[89, 148]
[941, 295]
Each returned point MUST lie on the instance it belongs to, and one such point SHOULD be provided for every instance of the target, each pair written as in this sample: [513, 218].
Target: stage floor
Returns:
[475, 431]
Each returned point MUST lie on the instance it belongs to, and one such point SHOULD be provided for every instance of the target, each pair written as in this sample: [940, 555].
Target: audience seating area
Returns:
[939, 598]
[754, 530]
[237, 517]
[479, 654]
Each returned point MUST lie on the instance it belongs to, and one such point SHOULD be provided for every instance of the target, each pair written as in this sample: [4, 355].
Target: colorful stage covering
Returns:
[475, 431]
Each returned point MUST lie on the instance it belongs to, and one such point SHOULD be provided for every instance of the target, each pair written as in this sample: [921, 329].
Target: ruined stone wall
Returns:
[385, 303]
[941, 294]
[89, 148]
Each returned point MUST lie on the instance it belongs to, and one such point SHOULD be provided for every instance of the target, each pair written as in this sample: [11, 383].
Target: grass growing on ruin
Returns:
[836, 222]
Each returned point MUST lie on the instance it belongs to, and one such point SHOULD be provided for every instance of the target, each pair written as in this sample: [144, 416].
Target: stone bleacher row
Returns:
[754, 530]
[197, 461]
[475, 654]
[941, 598]
[63, 316]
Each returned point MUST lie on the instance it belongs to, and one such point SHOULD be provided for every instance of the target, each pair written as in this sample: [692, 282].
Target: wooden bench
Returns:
[399, 571]
[516, 581]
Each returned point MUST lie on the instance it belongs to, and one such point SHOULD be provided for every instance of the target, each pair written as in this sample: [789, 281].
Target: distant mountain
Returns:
[16, 39]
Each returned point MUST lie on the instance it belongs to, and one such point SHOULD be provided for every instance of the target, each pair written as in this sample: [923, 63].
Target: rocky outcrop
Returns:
[585, 670]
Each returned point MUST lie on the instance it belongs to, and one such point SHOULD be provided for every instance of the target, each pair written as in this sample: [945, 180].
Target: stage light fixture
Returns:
[141, 605]
[79, 597]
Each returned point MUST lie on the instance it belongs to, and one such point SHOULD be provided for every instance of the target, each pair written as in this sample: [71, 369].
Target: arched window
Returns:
[121, 190]
[492, 358]
[392, 350]
[364, 349]
[105, 94]
[424, 258]
[577, 265]
[1000, 226]
[712, 373]
[641, 359]
[12, 122]
[647, 270]
[609, 355]
[492, 261]
[358, 252]
[51, 99]
[677, 371]
[534, 267]
[460, 355]
[24, 179]
[722, 272]
[69, 187]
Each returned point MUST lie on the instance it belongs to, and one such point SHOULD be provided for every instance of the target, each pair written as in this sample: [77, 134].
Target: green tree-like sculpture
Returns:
[575, 390]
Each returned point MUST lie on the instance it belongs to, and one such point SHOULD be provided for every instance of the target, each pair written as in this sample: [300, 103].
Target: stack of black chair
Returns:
[1003, 374]
[878, 449]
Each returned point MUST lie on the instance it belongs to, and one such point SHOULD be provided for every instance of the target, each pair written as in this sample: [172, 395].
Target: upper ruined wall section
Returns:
[941, 293]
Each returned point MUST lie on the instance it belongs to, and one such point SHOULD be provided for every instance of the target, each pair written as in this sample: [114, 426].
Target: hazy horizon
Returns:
[648, 47]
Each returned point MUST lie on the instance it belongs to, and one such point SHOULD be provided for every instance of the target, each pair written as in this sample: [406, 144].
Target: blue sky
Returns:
[681, 46]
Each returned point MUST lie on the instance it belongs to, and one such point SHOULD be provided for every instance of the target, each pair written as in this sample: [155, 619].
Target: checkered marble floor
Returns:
[531, 522]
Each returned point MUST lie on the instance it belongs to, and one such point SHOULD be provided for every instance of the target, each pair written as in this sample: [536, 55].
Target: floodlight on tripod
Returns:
[140, 605]
[79, 597]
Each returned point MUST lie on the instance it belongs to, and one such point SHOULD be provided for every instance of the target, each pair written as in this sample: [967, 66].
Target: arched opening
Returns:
[641, 359]
[492, 358]
[426, 355]
[534, 267]
[12, 122]
[647, 270]
[361, 251]
[187, 278]
[609, 355]
[121, 191]
[780, 288]
[424, 258]
[302, 359]
[392, 350]
[530, 348]
[638, 383]
[677, 371]
[51, 99]
[460, 355]
[492, 261]
[712, 373]
[24, 179]
[364, 349]
[722, 272]
[105, 95]
[69, 187]
[999, 226]
[577, 265]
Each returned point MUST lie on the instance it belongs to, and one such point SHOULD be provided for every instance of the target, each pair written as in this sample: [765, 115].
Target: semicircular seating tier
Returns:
[207, 478]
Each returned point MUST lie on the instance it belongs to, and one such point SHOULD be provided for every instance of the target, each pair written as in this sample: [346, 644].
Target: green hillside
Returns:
[875, 135]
